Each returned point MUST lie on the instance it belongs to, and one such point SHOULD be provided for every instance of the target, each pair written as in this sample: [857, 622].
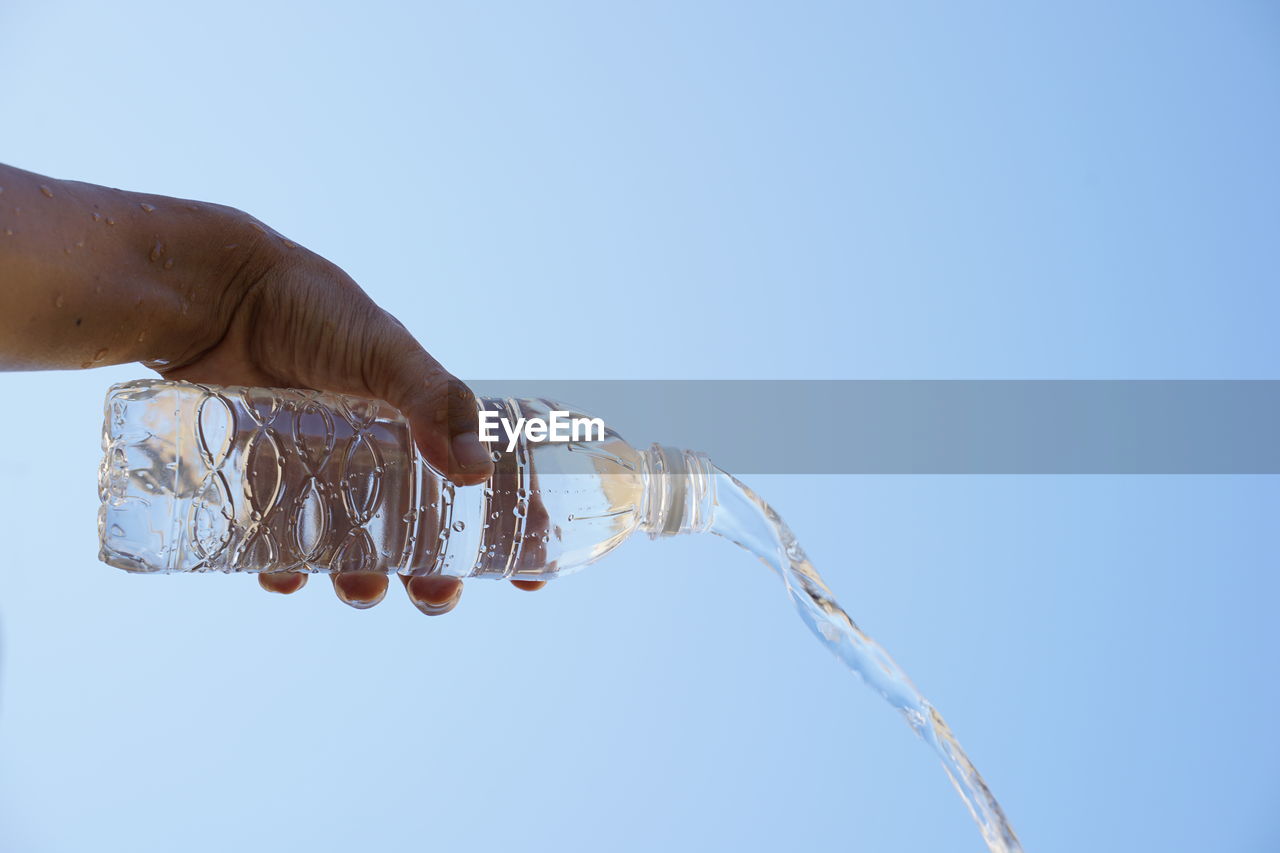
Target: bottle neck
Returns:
[679, 491]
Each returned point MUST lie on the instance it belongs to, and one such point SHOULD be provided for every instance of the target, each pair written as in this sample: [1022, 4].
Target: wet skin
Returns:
[92, 276]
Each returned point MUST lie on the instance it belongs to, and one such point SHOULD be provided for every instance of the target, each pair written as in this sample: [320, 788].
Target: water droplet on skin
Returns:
[8, 232]
[259, 227]
[110, 221]
[459, 526]
[58, 301]
[45, 191]
[168, 264]
[142, 336]
[100, 355]
[147, 207]
[232, 246]
[156, 251]
[290, 244]
[97, 217]
[79, 244]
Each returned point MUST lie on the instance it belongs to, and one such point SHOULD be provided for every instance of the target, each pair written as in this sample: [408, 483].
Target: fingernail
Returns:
[434, 594]
[283, 583]
[361, 590]
[468, 452]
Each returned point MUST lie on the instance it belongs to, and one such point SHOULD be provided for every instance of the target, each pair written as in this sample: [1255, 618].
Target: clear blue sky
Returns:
[684, 190]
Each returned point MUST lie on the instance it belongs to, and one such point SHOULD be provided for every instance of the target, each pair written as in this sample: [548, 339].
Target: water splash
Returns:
[743, 518]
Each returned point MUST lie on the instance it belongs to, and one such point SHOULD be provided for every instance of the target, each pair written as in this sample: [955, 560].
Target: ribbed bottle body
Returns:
[207, 478]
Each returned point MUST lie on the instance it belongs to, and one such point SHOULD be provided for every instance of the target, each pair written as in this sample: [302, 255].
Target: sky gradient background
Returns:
[710, 190]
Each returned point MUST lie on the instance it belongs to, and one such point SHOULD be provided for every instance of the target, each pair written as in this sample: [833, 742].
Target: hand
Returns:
[205, 293]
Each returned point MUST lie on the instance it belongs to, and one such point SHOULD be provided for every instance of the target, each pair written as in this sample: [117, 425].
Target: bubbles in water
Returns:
[459, 526]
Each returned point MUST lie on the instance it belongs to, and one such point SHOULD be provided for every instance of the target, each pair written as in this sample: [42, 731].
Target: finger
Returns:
[433, 594]
[284, 583]
[361, 590]
[441, 409]
[531, 586]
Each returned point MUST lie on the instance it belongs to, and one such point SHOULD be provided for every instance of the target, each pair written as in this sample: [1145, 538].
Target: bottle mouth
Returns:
[681, 490]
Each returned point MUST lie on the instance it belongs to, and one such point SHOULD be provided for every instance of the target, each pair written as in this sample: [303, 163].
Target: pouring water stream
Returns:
[740, 516]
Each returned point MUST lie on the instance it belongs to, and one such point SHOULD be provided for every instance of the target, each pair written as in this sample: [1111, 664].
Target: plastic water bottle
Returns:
[202, 478]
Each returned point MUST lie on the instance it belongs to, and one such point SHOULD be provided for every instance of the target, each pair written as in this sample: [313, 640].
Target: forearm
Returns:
[92, 276]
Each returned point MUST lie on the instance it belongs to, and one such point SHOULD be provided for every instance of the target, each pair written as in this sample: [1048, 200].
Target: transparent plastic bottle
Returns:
[200, 478]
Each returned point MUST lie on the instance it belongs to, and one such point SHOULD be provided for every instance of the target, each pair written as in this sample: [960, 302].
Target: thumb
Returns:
[441, 409]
